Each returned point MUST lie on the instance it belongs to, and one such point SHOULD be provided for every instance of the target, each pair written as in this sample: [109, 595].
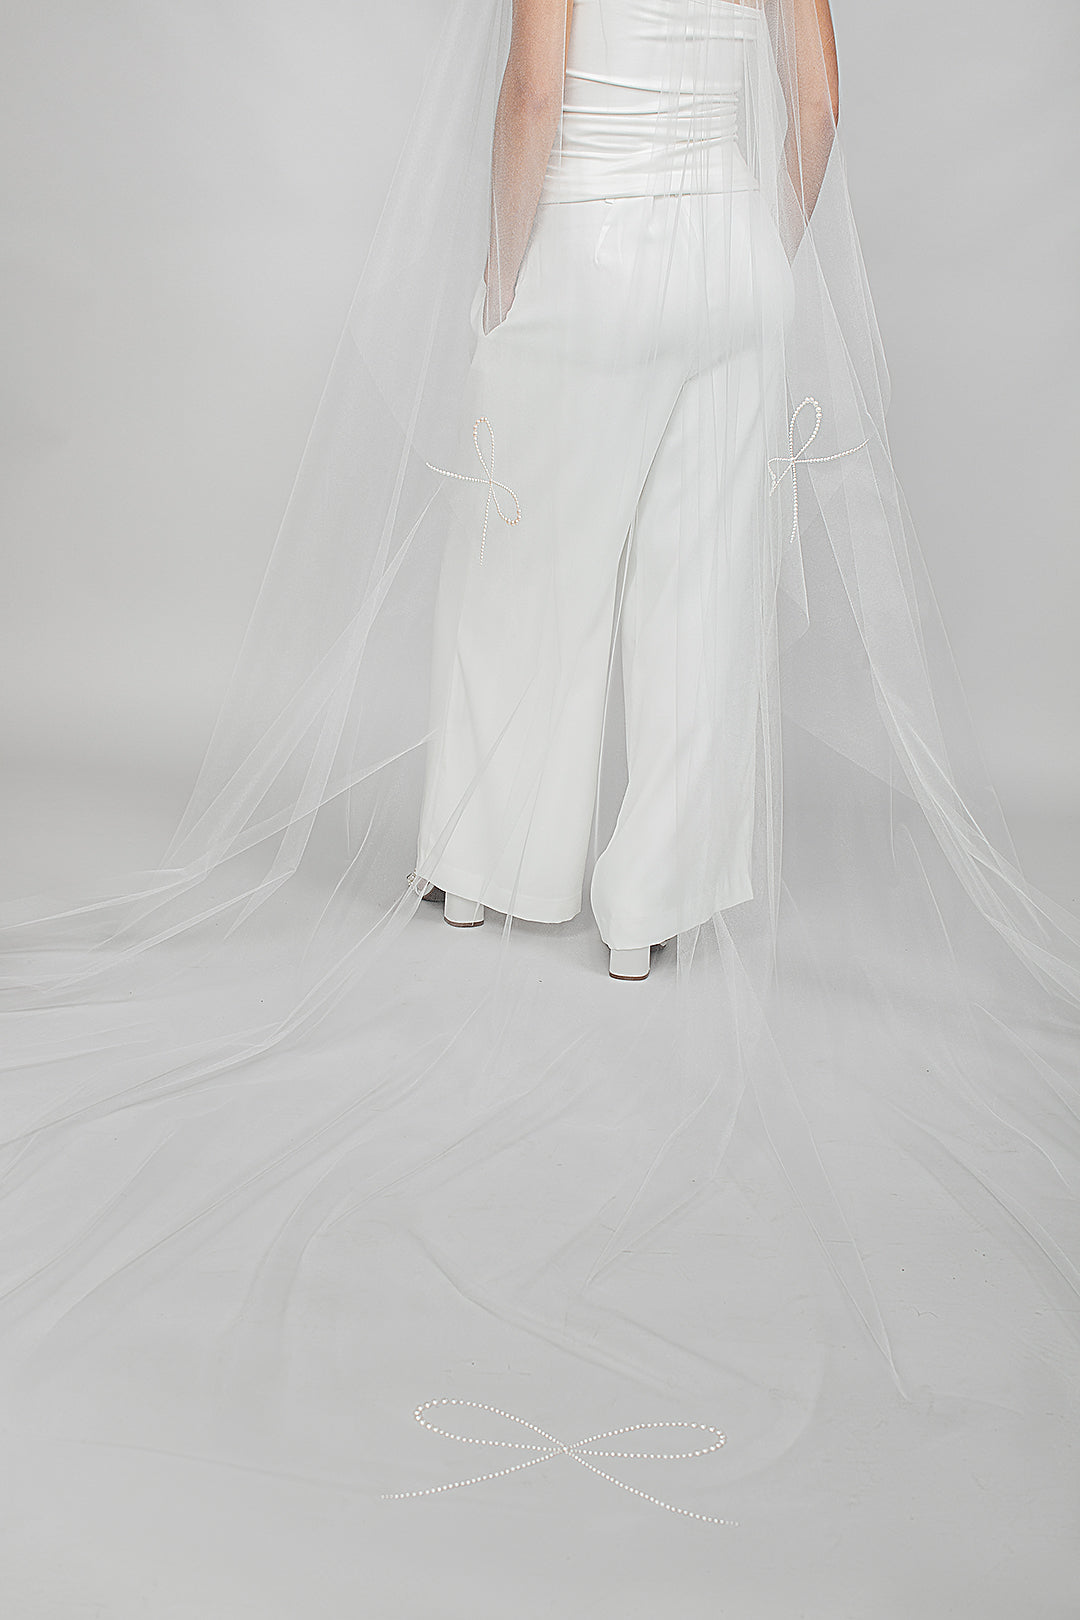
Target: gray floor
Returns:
[123, 1499]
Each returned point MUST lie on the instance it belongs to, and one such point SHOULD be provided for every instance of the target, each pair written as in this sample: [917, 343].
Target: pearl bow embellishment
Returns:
[580, 1451]
[797, 456]
[487, 461]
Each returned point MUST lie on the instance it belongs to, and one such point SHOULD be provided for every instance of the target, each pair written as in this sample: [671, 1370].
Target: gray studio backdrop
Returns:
[187, 191]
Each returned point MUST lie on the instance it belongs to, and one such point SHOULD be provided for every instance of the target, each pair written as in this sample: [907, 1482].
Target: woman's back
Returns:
[652, 99]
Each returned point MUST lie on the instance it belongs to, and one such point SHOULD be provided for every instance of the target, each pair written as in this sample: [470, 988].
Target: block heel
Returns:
[461, 913]
[630, 964]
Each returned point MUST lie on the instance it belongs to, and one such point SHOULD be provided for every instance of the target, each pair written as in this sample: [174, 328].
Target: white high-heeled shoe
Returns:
[633, 964]
[461, 913]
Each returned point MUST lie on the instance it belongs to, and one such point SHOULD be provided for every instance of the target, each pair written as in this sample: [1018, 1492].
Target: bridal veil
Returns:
[286, 1157]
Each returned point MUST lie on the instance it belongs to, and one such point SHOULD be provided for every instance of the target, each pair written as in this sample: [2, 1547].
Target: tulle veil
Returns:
[286, 1156]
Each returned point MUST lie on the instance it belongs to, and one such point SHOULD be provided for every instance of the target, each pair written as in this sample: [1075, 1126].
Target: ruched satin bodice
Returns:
[652, 99]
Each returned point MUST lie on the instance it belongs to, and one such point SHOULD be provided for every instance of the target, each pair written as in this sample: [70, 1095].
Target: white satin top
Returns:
[652, 98]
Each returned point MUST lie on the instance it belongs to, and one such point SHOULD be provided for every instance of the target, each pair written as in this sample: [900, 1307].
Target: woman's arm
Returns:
[812, 89]
[530, 105]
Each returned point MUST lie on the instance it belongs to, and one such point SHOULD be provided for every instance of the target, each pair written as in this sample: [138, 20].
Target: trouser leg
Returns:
[691, 649]
[523, 638]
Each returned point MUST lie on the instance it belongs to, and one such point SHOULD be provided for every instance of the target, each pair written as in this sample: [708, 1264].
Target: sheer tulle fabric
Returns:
[605, 613]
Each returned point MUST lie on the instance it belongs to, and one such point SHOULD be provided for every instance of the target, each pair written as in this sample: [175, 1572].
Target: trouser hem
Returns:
[631, 935]
[512, 902]
[617, 935]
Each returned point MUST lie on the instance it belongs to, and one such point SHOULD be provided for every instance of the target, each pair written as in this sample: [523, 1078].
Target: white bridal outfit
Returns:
[604, 613]
[633, 391]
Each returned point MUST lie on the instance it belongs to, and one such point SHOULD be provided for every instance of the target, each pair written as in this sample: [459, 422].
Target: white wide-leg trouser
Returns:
[625, 399]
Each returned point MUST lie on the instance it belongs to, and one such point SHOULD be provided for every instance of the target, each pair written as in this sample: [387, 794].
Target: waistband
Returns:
[604, 154]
